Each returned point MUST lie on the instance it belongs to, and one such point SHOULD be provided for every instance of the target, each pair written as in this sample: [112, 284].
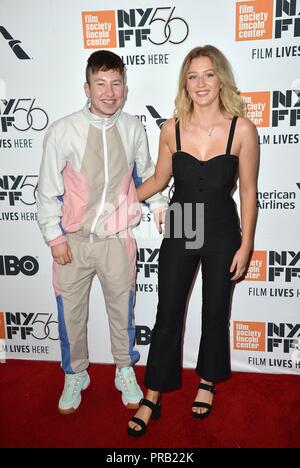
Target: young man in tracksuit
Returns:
[87, 206]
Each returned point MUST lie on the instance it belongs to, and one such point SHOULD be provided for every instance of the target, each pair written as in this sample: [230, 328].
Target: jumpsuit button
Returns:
[200, 190]
[201, 164]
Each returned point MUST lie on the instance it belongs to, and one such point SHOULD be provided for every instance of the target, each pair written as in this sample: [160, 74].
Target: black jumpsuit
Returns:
[209, 182]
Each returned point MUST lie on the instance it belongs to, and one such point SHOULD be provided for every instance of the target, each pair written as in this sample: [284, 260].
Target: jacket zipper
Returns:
[105, 156]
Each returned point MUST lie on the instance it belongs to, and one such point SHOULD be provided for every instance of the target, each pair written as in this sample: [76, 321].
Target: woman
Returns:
[205, 147]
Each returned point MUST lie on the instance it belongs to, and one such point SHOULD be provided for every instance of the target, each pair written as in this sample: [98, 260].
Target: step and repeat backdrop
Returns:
[44, 47]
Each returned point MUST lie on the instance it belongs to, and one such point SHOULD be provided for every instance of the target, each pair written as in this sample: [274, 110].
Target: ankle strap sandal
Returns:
[200, 404]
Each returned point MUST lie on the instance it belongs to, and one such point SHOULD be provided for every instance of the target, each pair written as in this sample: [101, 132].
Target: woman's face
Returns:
[202, 83]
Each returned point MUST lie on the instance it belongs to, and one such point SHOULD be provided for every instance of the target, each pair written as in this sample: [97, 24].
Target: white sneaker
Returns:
[125, 381]
[71, 396]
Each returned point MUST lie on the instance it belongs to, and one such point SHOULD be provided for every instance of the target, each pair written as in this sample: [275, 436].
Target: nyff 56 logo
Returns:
[261, 336]
[271, 108]
[21, 188]
[118, 28]
[20, 324]
[147, 263]
[267, 19]
[270, 266]
[22, 114]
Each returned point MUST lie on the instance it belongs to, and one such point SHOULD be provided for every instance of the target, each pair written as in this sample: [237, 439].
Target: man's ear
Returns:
[86, 88]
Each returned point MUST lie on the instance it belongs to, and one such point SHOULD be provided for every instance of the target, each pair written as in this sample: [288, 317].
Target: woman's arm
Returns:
[248, 167]
[163, 168]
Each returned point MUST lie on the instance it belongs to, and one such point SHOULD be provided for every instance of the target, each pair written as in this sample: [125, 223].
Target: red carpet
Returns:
[250, 410]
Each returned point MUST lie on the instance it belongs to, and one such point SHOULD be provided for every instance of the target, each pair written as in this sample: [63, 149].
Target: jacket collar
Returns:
[100, 122]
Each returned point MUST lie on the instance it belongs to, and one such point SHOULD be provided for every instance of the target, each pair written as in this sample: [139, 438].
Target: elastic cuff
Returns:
[158, 206]
[157, 203]
[58, 240]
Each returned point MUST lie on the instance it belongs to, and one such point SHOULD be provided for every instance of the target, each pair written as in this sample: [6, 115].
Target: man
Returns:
[87, 205]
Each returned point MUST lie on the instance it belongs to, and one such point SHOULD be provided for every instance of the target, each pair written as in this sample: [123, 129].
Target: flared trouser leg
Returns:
[175, 276]
[214, 353]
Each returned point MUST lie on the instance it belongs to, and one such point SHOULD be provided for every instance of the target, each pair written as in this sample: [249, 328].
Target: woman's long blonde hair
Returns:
[230, 100]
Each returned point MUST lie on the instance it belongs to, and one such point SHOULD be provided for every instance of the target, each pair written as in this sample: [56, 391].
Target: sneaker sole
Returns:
[133, 406]
[72, 410]
[129, 405]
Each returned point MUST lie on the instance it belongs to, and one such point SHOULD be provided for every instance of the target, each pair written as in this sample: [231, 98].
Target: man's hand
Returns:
[61, 253]
[159, 219]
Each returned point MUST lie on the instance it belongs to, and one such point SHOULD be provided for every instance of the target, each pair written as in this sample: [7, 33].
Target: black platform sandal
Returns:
[156, 412]
[201, 404]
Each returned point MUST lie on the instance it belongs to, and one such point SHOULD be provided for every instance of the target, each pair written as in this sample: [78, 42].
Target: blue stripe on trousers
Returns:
[134, 355]
[64, 340]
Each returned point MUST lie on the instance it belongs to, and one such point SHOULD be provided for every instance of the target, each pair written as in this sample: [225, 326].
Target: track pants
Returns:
[175, 276]
[113, 260]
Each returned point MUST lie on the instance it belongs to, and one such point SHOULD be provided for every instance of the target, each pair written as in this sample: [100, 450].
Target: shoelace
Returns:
[71, 384]
[130, 380]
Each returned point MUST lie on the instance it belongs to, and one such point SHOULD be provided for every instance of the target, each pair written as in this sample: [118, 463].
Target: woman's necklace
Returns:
[211, 130]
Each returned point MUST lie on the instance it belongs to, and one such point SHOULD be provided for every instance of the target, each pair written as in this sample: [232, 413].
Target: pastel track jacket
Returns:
[89, 170]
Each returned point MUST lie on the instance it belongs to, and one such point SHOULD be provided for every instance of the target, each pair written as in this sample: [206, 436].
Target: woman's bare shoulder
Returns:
[168, 129]
[245, 126]
[169, 125]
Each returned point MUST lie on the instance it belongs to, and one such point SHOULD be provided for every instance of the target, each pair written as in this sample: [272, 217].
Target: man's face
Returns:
[106, 91]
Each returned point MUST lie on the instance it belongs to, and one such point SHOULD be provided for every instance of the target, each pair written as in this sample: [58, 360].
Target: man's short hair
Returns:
[103, 60]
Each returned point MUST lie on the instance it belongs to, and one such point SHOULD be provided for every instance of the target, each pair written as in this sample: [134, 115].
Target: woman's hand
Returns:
[239, 263]
[159, 219]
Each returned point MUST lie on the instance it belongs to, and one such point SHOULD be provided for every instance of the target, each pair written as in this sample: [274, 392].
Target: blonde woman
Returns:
[206, 146]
